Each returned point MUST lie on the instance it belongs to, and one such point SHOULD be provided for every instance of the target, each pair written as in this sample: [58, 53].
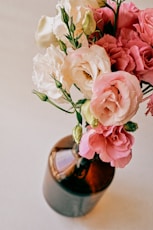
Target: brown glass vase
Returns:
[73, 185]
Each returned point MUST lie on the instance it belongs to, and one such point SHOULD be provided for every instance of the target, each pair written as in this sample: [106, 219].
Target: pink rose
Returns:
[112, 143]
[150, 105]
[145, 25]
[116, 97]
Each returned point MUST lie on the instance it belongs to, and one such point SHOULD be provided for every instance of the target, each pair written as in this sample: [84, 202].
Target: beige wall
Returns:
[28, 128]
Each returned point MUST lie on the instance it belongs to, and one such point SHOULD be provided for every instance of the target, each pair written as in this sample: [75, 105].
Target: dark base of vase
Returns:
[74, 194]
[66, 203]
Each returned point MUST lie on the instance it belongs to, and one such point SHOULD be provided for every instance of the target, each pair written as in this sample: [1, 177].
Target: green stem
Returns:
[44, 97]
[116, 15]
[106, 4]
[118, 4]
[58, 107]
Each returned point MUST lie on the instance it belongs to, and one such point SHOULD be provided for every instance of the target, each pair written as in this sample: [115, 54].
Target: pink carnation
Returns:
[141, 53]
[119, 56]
[112, 143]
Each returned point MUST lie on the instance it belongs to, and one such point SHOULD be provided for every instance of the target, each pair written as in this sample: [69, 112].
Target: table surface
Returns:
[29, 128]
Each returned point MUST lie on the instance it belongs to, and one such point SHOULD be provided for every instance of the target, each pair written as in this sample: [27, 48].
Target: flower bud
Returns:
[41, 96]
[88, 24]
[65, 16]
[63, 46]
[85, 110]
[130, 126]
[101, 3]
[72, 26]
[44, 35]
[58, 84]
[77, 133]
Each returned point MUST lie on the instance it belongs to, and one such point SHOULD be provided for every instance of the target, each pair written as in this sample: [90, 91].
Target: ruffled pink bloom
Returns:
[116, 97]
[146, 55]
[145, 25]
[150, 106]
[140, 51]
[112, 143]
[119, 56]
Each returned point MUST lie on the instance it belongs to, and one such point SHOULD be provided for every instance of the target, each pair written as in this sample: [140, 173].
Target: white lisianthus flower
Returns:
[44, 35]
[84, 65]
[52, 29]
[77, 8]
[47, 66]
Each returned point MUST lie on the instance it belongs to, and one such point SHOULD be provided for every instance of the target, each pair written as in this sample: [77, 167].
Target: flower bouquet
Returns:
[104, 51]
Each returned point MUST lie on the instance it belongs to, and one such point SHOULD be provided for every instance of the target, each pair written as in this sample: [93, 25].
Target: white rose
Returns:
[84, 65]
[44, 68]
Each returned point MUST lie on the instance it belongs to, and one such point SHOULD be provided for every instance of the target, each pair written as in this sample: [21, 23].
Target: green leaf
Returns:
[79, 45]
[81, 101]
[79, 117]
[63, 46]
[79, 36]
[68, 37]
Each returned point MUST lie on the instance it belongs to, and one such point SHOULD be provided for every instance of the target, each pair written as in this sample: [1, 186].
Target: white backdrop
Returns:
[29, 127]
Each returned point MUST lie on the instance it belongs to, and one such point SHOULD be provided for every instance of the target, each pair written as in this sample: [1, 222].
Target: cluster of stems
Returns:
[74, 40]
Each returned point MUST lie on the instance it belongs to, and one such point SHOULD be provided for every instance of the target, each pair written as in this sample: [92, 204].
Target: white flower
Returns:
[44, 35]
[77, 8]
[52, 29]
[45, 67]
[84, 65]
